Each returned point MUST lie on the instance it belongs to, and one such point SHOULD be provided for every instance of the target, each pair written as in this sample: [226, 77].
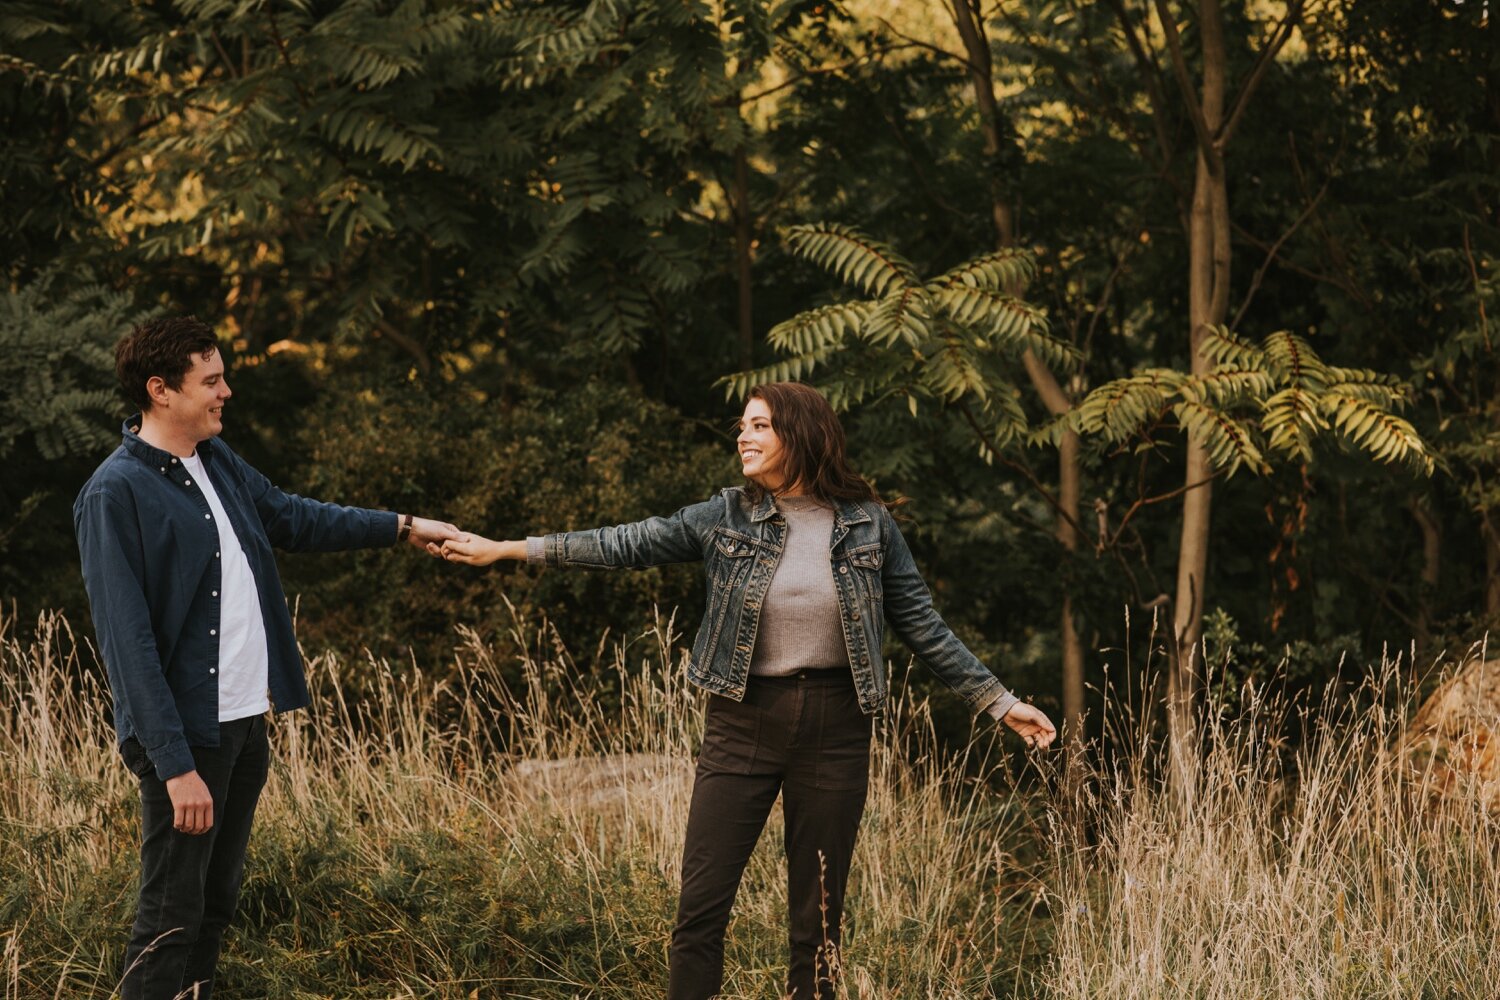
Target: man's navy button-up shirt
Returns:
[151, 563]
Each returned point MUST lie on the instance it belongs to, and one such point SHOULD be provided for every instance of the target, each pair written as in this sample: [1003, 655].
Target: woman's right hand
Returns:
[476, 550]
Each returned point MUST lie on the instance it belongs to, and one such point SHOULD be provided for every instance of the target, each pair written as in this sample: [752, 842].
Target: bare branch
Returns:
[1484, 322]
[1276, 248]
[929, 46]
[1263, 62]
[1185, 82]
[792, 81]
[1151, 75]
[1026, 473]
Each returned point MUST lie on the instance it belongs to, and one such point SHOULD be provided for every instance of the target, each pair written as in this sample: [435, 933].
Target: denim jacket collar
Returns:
[846, 512]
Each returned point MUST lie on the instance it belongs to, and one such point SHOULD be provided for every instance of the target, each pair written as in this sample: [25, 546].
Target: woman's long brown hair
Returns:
[814, 447]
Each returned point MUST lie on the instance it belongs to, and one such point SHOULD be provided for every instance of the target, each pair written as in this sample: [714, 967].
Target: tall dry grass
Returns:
[1329, 868]
[410, 844]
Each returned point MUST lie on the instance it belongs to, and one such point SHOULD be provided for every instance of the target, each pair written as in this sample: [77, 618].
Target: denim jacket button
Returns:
[855, 616]
[843, 569]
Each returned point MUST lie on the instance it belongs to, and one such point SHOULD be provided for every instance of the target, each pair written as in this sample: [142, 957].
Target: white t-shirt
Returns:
[244, 665]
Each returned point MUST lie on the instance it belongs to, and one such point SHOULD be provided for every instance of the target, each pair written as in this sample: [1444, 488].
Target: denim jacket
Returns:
[740, 544]
[151, 564]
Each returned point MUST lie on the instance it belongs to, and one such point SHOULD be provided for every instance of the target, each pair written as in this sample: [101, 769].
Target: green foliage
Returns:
[1275, 399]
[433, 171]
[534, 462]
[57, 355]
[59, 413]
[952, 338]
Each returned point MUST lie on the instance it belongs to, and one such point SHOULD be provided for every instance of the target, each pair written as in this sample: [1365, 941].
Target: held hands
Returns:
[426, 533]
[476, 550]
[1032, 724]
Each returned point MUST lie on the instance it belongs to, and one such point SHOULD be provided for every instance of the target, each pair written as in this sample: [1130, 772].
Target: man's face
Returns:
[197, 409]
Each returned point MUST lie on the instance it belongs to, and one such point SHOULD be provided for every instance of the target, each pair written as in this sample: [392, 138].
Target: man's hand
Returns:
[427, 533]
[192, 805]
[1032, 724]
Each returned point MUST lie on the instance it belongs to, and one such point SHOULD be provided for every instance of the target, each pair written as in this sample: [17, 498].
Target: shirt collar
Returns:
[160, 460]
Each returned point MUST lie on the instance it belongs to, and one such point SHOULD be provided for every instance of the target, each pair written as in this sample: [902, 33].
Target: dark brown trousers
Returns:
[805, 738]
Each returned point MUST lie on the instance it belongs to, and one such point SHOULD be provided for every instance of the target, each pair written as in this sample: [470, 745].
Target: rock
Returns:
[1453, 741]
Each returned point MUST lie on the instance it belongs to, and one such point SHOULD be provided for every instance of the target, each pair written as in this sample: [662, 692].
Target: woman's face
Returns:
[761, 454]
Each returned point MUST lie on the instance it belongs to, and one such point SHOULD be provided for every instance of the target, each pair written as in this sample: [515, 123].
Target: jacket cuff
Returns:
[1001, 705]
[172, 760]
[536, 549]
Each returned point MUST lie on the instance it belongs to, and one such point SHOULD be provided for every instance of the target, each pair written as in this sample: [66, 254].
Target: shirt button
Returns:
[208, 517]
[213, 631]
[187, 482]
[213, 670]
[174, 461]
[216, 594]
[216, 555]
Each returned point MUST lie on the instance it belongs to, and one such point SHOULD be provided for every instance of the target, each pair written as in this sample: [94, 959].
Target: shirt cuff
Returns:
[536, 549]
[1001, 705]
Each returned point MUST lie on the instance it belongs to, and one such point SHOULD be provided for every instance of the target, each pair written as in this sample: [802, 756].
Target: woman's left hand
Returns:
[1032, 724]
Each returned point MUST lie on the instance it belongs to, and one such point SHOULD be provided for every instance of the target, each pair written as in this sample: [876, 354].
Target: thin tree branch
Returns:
[1151, 75]
[1271, 254]
[1484, 322]
[405, 343]
[872, 56]
[1279, 38]
[1030, 477]
[223, 53]
[919, 43]
[1184, 81]
[1159, 498]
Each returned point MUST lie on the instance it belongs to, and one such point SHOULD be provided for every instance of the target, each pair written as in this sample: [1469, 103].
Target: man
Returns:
[176, 533]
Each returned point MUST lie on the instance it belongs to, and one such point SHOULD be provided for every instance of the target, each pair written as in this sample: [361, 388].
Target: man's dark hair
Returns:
[162, 347]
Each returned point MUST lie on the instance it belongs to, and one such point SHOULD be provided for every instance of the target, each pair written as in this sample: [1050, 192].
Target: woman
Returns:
[803, 563]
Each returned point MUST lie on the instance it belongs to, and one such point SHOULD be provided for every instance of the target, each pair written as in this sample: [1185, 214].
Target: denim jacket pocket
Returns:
[866, 562]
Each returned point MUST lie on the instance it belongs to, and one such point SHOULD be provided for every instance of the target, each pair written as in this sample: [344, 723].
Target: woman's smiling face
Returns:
[761, 451]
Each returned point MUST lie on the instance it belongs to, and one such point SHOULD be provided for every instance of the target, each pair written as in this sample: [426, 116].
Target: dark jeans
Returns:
[806, 738]
[190, 882]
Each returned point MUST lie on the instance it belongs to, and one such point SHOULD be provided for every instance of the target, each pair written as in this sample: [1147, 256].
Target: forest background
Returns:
[1173, 321]
[489, 262]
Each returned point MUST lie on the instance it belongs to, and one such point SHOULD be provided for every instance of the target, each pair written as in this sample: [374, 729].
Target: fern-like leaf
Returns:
[1292, 360]
[1375, 431]
[1228, 442]
[1128, 406]
[866, 263]
[1003, 271]
[1007, 321]
[820, 328]
[1291, 420]
[791, 369]
[905, 315]
[1230, 350]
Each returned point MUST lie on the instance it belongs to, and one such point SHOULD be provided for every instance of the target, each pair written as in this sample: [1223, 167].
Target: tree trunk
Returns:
[1070, 487]
[1432, 565]
[976, 46]
[1208, 302]
[1491, 565]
